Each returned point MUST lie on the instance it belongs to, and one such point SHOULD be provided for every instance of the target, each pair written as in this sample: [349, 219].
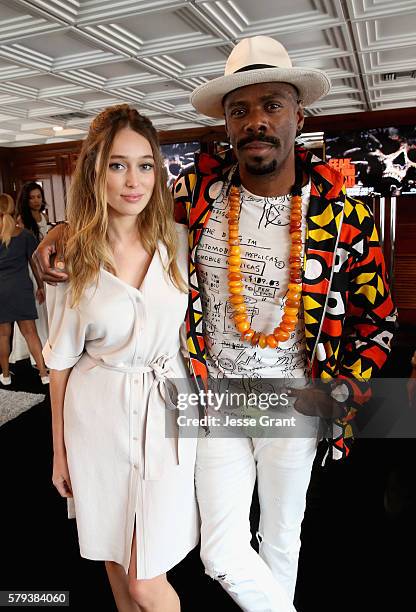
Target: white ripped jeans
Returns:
[225, 477]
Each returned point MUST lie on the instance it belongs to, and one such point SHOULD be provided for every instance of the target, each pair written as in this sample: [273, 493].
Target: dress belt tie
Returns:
[163, 395]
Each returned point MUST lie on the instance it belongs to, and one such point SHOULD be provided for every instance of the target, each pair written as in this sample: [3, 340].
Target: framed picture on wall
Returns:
[378, 161]
[178, 156]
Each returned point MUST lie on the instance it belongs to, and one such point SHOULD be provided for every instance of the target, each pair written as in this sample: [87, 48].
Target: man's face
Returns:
[261, 122]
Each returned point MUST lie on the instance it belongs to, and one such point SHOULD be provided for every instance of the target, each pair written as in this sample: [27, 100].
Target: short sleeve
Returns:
[67, 329]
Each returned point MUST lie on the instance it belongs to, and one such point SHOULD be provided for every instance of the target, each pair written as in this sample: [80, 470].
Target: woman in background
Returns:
[17, 302]
[31, 210]
[31, 215]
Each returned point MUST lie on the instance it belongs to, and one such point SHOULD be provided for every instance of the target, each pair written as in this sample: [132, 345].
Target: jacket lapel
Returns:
[210, 172]
[323, 229]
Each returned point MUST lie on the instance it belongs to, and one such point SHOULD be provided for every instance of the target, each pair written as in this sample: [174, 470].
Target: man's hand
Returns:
[48, 257]
[315, 402]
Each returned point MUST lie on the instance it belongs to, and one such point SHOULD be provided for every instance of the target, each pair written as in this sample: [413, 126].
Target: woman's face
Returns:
[130, 174]
[35, 199]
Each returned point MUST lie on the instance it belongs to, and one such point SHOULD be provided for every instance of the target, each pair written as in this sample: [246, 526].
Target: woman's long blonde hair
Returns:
[87, 244]
[7, 221]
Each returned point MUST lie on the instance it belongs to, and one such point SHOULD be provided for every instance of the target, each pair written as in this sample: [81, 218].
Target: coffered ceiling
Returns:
[62, 61]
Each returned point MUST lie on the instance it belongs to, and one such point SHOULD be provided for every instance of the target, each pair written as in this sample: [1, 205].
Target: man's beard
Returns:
[261, 169]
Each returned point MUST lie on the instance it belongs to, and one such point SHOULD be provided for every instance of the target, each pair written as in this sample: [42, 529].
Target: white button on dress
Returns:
[123, 344]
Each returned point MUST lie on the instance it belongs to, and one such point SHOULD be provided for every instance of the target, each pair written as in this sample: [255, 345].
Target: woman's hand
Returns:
[60, 475]
[40, 295]
[48, 257]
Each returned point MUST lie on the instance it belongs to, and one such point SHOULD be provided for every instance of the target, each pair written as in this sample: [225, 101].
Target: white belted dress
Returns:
[126, 472]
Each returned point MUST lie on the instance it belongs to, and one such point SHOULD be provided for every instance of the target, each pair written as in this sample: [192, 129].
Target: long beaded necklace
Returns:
[235, 277]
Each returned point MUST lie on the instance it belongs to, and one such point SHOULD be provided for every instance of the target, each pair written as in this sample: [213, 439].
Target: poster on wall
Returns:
[178, 157]
[378, 161]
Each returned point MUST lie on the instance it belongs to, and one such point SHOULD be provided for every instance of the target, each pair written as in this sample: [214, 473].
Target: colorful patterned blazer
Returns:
[349, 313]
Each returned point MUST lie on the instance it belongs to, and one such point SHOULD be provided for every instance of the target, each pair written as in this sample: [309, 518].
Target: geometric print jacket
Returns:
[349, 313]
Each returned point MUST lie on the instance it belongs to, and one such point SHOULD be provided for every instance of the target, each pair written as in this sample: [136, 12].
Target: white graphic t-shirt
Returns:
[265, 246]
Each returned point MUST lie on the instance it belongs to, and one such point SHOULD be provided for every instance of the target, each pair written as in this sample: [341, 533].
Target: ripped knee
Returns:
[220, 575]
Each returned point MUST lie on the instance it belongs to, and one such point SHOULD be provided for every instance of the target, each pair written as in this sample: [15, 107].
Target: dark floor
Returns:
[354, 555]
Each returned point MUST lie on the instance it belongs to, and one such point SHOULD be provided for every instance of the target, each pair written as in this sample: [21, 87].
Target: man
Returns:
[254, 215]
[262, 96]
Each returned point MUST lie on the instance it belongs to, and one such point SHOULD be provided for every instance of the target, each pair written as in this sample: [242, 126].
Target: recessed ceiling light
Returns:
[57, 128]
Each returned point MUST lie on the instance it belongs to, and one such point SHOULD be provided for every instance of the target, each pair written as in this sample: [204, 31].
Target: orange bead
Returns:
[291, 311]
[233, 234]
[262, 341]
[232, 226]
[238, 318]
[235, 283]
[271, 341]
[233, 241]
[233, 276]
[239, 308]
[295, 250]
[293, 303]
[296, 199]
[296, 236]
[234, 268]
[294, 225]
[289, 319]
[232, 215]
[237, 299]
[243, 326]
[235, 250]
[281, 335]
[236, 290]
[255, 338]
[234, 260]
[247, 335]
[293, 295]
[294, 287]
[287, 326]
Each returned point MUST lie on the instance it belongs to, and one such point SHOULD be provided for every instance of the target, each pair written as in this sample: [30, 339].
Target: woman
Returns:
[31, 211]
[114, 339]
[17, 302]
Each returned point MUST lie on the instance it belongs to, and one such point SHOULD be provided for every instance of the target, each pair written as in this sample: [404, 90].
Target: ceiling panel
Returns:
[61, 62]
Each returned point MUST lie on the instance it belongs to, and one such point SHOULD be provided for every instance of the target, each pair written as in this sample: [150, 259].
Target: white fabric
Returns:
[265, 247]
[225, 476]
[122, 466]
[20, 349]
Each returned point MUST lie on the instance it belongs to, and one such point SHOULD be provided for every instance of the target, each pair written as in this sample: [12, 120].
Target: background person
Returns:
[17, 302]
[32, 215]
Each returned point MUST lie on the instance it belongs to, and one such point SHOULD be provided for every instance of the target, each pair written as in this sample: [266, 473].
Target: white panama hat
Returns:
[259, 59]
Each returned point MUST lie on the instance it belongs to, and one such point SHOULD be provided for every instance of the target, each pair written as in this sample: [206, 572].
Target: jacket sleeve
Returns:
[182, 190]
[371, 314]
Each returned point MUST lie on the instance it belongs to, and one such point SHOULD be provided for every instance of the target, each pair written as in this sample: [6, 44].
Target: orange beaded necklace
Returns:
[235, 283]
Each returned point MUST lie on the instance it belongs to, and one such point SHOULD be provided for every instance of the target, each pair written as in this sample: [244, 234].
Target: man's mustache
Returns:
[260, 138]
